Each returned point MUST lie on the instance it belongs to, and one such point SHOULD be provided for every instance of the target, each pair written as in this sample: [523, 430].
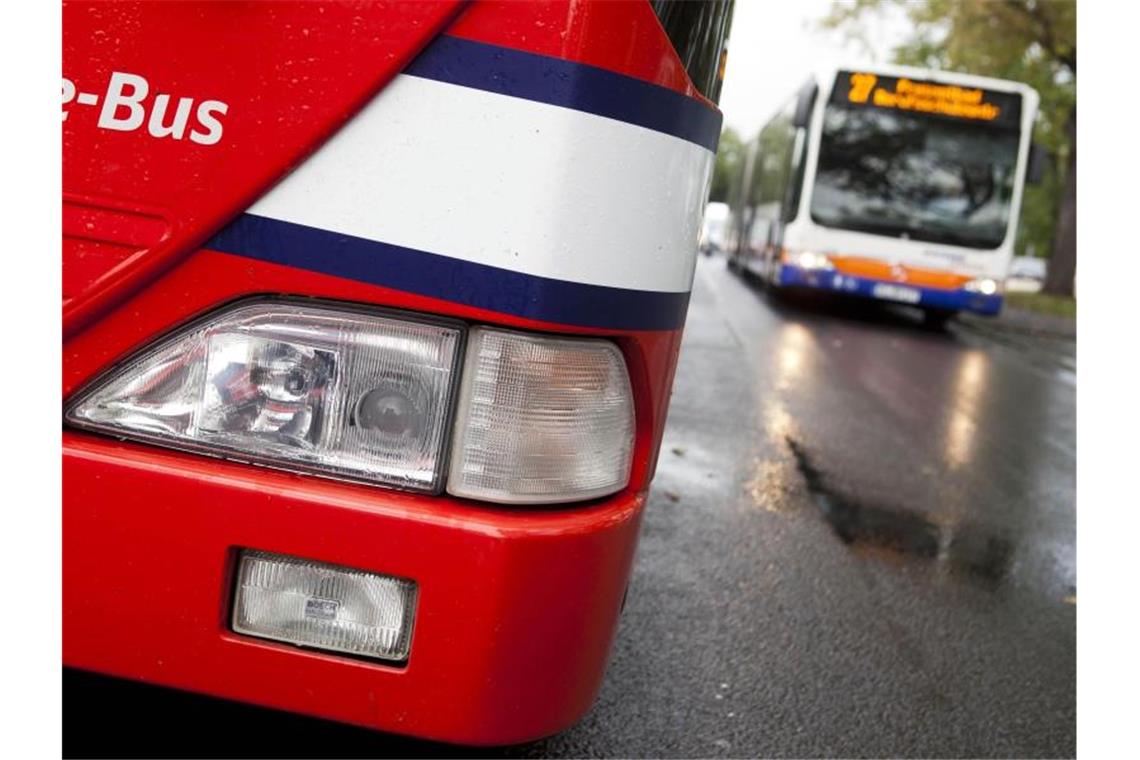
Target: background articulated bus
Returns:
[897, 184]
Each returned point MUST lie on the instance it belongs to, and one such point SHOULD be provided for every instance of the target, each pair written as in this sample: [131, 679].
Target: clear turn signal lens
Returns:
[541, 419]
[330, 390]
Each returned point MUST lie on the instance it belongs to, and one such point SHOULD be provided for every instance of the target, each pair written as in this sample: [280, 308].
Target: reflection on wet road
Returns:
[860, 542]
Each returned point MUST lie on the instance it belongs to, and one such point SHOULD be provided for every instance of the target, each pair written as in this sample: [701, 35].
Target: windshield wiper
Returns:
[914, 230]
[877, 228]
[953, 236]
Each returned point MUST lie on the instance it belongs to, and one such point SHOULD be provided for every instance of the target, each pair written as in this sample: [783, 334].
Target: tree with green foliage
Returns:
[729, 157]
[1031, 41]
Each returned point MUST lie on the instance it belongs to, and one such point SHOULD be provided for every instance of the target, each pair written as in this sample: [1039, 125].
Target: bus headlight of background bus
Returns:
[810, 260]
[985, 286]
[366, 395]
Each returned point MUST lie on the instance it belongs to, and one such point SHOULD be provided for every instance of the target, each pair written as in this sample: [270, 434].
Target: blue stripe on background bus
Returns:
[957, 299]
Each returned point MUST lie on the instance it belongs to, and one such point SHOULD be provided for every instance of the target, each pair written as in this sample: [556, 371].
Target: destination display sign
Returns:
[918, 96]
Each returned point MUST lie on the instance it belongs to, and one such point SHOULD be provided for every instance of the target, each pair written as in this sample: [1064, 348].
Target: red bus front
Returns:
[370, 320]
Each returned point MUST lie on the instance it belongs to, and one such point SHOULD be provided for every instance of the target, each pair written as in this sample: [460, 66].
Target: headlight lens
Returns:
[985, 286]
[541, 419]
[811, 260]
[331, 390]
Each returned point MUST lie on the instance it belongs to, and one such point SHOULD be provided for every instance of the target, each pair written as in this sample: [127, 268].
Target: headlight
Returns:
[811, 260]
[356, 394]
[337, 391]
[985, 286]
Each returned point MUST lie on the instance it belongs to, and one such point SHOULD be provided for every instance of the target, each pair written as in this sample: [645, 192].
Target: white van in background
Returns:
[1026, 274]
[714, 228]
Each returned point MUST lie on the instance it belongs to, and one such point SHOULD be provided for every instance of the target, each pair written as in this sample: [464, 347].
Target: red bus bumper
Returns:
[517, 608]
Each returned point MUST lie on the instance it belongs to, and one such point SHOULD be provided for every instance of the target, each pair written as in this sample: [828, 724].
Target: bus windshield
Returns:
[914, 176]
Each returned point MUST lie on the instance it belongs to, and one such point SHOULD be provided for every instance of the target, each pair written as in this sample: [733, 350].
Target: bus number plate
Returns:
[889, 292]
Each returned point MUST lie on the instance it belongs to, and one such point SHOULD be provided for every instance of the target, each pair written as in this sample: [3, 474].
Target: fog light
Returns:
[324, 606]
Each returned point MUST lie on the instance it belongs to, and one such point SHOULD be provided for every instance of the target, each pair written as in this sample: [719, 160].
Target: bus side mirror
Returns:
[805, 99]
[1038, 161]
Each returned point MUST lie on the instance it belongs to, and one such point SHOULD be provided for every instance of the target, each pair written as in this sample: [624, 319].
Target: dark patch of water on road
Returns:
[970, 551]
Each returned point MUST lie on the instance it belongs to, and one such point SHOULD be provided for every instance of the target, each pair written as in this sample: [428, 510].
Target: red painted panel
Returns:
[249, 89]
[622, 35]
[516, 614]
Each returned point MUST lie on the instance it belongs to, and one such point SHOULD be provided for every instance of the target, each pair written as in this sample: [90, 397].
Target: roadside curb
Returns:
[1023, 323]
[1038, 336]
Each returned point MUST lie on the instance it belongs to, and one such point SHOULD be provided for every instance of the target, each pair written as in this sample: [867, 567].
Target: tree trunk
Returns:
[1063, 264]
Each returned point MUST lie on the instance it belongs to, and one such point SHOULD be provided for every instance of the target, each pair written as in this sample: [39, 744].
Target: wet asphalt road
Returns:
[860, 542]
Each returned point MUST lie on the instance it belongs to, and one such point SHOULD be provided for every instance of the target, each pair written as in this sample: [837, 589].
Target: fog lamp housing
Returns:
[313, 604]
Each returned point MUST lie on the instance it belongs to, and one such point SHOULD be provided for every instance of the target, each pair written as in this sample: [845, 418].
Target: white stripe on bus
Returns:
[507, 182]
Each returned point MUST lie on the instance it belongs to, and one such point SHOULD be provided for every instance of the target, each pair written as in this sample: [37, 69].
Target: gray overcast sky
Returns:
[774, 46]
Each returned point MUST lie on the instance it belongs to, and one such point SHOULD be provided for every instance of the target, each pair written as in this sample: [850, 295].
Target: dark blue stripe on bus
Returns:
[957, 299]
[449, 279]
[567, 84]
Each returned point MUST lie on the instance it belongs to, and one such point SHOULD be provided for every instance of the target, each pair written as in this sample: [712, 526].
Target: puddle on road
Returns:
[969, 551]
